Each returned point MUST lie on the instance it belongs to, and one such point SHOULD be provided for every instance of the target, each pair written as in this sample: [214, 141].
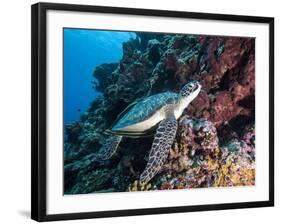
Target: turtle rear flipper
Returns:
[161, 145]
[110, 146]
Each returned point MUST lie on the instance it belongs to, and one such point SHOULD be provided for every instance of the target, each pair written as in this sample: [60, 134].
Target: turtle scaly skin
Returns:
[162, 142]
[160, 112]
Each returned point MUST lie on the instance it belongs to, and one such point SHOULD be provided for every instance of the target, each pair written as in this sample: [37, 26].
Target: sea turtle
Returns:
[160, 112]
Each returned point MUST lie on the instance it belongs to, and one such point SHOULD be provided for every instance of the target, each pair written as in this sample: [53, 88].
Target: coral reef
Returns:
[197, 160]
[215, 142]
[101, 74]
[139, 186]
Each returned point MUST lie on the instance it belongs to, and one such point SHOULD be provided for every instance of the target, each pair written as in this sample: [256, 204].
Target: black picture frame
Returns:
[38, 108]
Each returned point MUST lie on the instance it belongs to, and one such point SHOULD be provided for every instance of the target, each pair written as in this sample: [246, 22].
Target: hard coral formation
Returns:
[197, 160]
[104, 76]
[215, 143]
[139, 186]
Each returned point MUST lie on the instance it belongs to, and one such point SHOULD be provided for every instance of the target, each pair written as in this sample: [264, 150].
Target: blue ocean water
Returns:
[83, 51]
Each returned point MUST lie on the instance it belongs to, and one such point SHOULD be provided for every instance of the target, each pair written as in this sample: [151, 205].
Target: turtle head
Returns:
[189, 91]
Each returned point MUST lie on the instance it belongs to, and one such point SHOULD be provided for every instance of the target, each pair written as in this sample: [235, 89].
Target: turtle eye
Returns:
[195, 87]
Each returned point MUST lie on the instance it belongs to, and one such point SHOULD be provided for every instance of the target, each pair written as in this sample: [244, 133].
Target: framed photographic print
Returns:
[139, 111]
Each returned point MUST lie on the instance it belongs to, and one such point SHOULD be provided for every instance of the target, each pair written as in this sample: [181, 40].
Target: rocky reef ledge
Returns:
[215, 142]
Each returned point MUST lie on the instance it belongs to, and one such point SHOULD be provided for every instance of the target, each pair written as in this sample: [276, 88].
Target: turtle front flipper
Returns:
[161, 145]
[110, 146]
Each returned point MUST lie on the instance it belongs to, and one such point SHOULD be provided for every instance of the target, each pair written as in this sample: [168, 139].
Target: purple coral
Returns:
[197, 159]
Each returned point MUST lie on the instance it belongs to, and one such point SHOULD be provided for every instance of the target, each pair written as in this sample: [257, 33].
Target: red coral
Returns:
[223, 108]
[166, 186]
[235, 49]
[200, 104]
[231, 77]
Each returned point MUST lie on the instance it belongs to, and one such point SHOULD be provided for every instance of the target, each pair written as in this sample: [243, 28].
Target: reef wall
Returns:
[215, 142]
